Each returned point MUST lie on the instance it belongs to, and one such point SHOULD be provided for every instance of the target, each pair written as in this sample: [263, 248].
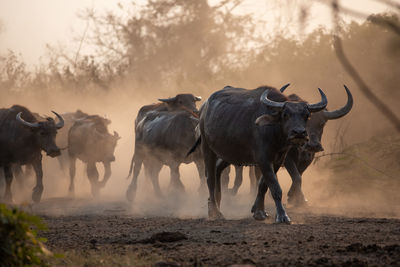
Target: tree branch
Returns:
[365, 89]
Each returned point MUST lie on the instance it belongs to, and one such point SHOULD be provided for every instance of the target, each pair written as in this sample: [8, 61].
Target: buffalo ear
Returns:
[265, 119]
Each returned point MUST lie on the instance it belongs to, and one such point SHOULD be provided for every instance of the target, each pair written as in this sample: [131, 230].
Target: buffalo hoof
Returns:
[284, 218]
[215, 215]
[102, 184]
[260, 215]
[298, 202]
[130, 195]
[71, 194]
[37, 194]
[95, 191]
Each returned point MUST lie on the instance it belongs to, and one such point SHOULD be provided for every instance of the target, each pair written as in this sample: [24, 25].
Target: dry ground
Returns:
[111, 234]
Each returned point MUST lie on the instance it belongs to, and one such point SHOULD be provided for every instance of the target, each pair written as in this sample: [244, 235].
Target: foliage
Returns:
[20, 244]
[192, 46]
[370, 167]
[175, 42]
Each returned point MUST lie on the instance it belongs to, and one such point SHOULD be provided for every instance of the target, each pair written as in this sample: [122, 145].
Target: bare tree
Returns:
[350, 69]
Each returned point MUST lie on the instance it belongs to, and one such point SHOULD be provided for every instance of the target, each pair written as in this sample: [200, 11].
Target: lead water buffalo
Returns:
[252, 127]
[298, 159]
[164, 132]
[22, 138]
[90, 141]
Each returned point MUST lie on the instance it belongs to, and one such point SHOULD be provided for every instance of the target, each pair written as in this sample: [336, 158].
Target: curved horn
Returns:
[60, 124]
[270, 103]
[319, 106]
[29, 124]
[284, 87]
[336, 114]
[197, 98]
[167, 100]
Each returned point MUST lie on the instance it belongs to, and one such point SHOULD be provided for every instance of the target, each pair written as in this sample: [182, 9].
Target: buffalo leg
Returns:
[269, 180]
[137, 160]
[253, 180]
[63, 160]
[255, 175]
[152, 171]
[93, 176]
[221, 166]
[225, 177]
[202, 175]
[295, 194]
[238, 180]
[210, 161]
[107, 173]
[8, 177]
[72, 170]
[19, 175]
[38, 189]
[175, 182]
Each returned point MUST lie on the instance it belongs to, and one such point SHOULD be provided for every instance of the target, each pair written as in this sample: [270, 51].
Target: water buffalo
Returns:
[299, 158]
[164, 132]
[252, 127]
[90, 141]
[22, 138]
[62, 135]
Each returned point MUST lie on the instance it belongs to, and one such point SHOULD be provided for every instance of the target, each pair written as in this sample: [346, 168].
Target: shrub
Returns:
[19, 243]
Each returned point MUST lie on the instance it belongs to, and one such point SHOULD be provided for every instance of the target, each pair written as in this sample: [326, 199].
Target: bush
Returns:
[19, 243]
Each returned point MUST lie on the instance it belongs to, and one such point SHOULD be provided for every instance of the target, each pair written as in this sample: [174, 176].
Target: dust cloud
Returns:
[122, 108]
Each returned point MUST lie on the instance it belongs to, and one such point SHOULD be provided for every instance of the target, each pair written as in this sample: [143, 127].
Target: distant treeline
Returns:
[192, 46]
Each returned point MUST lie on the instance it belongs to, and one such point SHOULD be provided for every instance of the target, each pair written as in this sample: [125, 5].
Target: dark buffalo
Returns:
[252, 127]
[299, 158]
[90, 141]
[164, 132]
[22, 138]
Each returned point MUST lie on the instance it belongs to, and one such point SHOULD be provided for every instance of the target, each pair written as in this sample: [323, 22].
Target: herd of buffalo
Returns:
[262, 128]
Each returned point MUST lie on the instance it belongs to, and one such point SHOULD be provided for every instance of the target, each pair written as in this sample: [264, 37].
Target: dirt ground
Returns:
[313, 238]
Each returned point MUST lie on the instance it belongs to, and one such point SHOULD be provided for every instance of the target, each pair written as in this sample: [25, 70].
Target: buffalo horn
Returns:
[270, 103]
[284, 87]
[29, 124]
[336, 114]
[319, 106]
[60, 124]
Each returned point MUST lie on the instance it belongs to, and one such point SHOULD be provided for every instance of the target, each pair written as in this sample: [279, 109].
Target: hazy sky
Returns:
[26, 26]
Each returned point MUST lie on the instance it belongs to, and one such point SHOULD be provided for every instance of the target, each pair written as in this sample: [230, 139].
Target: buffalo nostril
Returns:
[302, 133]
